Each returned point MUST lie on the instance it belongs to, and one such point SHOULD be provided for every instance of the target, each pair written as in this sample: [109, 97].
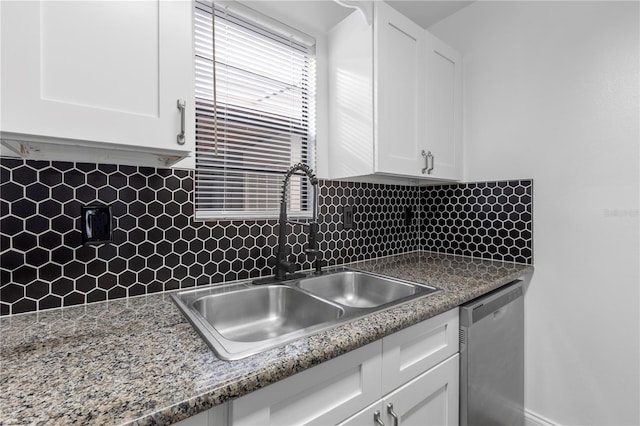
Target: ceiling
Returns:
[427, 12]
[321, 15]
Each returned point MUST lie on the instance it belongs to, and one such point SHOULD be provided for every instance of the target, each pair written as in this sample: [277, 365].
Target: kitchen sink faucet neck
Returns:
[283, 267]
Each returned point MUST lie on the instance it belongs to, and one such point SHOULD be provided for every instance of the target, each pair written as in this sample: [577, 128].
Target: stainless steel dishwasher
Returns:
[492, 358]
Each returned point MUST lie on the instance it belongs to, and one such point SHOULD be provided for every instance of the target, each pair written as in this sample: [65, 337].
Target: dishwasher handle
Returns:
[491, 303]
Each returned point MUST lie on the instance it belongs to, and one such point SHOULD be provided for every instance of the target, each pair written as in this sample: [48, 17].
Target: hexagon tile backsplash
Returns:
[158, 246]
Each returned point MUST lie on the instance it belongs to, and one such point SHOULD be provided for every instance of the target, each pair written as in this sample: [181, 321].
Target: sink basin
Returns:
[238, 320]
[261, 313]
[360, 290]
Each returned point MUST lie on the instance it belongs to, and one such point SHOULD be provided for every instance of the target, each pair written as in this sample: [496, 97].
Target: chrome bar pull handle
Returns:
[424, 169]
[428, 156]
[376, 418]
[392, 414]
[182, 105]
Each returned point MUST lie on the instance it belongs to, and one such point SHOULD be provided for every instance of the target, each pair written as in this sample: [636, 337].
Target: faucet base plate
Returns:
[273, 280]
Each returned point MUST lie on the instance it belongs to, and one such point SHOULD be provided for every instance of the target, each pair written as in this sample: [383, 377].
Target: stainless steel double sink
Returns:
[243, 319]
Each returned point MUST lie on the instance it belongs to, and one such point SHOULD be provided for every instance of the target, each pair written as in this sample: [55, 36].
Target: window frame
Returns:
[300, 193]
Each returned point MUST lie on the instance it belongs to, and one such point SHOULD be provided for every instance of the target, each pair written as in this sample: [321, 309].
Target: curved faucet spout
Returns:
[312, 179]
[282, 266]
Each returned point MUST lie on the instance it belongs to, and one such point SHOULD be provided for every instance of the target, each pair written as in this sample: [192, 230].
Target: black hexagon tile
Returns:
[491, 220]
[157, 246]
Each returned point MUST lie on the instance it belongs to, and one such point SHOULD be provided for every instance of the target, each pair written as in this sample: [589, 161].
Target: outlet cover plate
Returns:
[347, 217]
[97, 224]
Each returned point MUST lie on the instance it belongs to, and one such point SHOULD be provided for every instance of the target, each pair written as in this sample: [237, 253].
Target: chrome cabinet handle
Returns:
[392, 414]
[427, 156]
[181, 106]
[376, 418]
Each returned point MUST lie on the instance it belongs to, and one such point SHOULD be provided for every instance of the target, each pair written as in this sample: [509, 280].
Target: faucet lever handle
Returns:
[311, 253]
[288, 266]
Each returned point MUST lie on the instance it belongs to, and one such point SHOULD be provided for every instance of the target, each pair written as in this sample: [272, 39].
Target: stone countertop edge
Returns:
[138, 361]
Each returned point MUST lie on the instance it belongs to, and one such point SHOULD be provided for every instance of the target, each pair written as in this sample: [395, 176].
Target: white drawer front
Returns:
[409, 352]
[325, 394]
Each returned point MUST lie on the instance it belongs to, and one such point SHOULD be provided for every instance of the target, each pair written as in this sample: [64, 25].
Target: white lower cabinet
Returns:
[415, 370]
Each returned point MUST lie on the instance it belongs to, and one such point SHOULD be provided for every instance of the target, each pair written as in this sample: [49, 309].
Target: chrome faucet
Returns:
[283, 267]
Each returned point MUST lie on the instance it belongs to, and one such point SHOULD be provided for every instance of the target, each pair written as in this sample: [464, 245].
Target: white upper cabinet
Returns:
[394, 92]
[98, 80]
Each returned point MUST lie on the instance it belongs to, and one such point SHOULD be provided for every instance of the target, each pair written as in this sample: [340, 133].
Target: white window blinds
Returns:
[263, 119]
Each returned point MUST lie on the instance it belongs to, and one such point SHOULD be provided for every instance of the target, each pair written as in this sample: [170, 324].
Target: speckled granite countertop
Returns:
[138, 361]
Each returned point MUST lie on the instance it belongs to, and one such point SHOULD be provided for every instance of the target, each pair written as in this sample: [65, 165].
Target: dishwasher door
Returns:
[492, 358]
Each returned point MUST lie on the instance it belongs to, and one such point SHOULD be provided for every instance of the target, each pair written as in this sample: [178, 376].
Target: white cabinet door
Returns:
[350, 53]
[398, 70]
[443, 123]
[322, 395]
[106, 72]
[430, 399]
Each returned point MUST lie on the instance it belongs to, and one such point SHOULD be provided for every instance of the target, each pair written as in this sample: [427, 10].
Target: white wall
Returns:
[551, 92]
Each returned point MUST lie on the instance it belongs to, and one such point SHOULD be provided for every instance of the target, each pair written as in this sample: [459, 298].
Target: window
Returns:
[263, 117]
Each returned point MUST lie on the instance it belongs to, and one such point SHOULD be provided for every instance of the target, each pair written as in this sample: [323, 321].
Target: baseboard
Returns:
[533, 419]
